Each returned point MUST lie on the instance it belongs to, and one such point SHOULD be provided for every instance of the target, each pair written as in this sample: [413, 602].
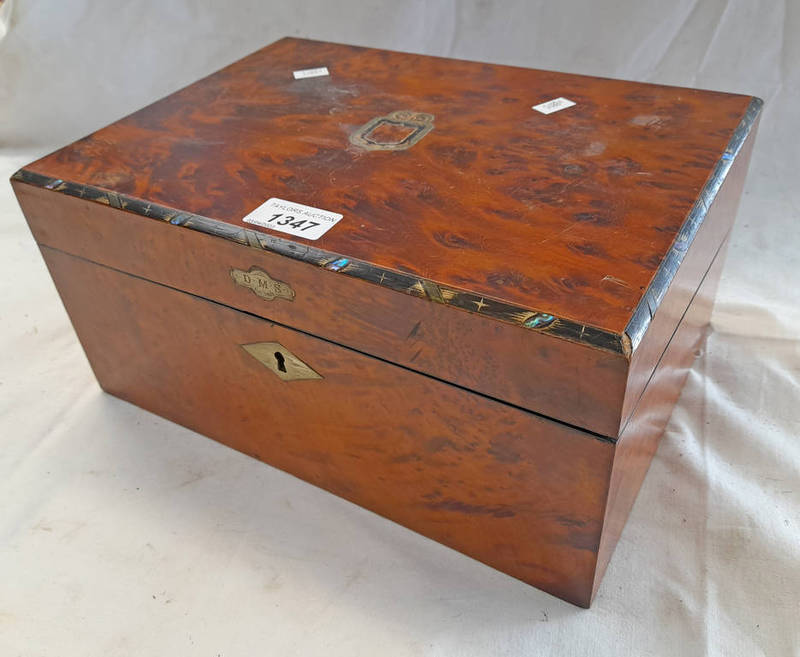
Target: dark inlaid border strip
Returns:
[426, 289]
[643, 315]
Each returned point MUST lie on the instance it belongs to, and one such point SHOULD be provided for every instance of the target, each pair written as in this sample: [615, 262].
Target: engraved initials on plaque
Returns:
[262, 284]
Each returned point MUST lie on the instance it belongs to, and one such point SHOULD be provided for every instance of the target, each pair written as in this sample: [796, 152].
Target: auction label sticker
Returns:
[554, 105]
[311, 73]
[293, 218]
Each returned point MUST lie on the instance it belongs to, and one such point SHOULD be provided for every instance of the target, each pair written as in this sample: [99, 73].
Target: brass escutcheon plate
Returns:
[280, 361]
[394, 132]
[262, 284]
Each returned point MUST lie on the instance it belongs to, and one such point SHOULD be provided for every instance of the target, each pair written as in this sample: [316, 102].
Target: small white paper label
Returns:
[311, 73]
[293, 218]
[553, 105]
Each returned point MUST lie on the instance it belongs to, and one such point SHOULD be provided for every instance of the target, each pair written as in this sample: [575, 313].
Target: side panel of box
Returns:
[715, 226]
[516, 491]
[640, 438]
[575, 383]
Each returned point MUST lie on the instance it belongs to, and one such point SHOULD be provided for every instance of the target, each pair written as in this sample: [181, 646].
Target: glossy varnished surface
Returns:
[570, 213]
[516, 491]
[521, 367]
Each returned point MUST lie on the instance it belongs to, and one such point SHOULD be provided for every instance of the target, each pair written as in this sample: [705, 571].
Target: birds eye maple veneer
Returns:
[463, 296]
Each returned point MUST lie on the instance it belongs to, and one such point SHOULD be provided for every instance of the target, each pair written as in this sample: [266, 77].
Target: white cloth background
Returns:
[124, 534]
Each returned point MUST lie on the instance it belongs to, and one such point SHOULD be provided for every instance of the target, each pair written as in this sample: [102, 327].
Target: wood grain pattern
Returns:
[570, 214]
[516, 491]
[524, 368]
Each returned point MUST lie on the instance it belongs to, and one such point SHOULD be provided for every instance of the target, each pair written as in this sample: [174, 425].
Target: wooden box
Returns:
[463, 296]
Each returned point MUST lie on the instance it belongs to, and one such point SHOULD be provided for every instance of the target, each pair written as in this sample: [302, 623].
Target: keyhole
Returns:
[281, 361]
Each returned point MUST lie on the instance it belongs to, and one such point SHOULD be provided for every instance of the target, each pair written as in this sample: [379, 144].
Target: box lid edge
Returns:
[654, 294]
[526, 318]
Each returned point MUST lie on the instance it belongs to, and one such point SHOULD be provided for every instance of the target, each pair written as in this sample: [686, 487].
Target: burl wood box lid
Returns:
[540, 253]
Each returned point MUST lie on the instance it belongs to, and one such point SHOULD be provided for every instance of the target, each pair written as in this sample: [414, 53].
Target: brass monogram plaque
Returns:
[394, 132]
[282, 362]
[261, 283]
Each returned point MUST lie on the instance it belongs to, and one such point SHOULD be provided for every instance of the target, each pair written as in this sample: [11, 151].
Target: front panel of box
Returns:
[517, 491]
